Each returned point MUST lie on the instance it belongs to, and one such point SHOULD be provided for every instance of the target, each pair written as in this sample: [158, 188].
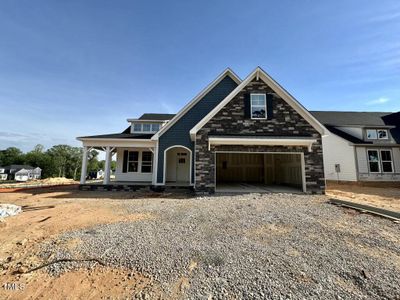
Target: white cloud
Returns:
[381, 100]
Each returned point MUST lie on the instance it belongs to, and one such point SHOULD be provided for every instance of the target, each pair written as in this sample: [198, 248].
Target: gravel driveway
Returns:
[253, 246]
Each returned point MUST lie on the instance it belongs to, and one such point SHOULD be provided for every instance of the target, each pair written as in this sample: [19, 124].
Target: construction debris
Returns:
[7, 210]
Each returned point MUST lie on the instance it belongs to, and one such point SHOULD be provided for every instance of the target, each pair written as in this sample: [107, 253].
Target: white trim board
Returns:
[195, 100]
[261, 141]
[279, 90]
[165, 164]
[101, 142]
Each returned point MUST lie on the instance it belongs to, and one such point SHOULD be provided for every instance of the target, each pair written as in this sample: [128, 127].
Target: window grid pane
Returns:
[133, 161]
[146, 127]
[258, 106]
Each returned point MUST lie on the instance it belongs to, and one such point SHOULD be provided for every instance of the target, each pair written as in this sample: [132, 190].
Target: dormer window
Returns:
[146, 127]
[377, 134]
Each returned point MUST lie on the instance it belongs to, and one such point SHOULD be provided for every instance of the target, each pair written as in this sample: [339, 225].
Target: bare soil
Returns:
[387, 198]
[45, 215]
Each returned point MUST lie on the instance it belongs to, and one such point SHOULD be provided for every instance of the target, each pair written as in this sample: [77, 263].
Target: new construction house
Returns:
[250, 134]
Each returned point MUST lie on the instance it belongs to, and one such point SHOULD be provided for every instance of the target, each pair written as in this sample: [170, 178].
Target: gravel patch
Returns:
[253, 246]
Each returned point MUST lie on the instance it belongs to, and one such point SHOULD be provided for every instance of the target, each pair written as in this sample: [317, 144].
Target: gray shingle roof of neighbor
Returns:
[18, 167]
[158, 117]
[342, 118]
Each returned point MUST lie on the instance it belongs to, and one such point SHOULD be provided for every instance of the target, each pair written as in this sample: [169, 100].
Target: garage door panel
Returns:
[265, 168]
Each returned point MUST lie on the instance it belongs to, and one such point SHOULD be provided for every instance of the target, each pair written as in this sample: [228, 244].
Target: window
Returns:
[371, 134]
[377, 134]
[146, 127]
[382, 134]
[137, 127]
[386, 158]
[258, 106]
[147, 159]
[155, 127]
[380, 161]
[133, 161]
[373, 161]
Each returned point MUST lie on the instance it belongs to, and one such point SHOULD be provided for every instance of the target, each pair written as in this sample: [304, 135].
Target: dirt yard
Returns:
[387, 198]
[161, 246]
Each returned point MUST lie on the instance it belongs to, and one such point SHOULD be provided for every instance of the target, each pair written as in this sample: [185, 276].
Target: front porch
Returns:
[134, 162]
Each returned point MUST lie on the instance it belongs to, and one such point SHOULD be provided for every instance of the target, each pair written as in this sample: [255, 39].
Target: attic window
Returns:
[377, 134]
[146, 127]
[258, 106]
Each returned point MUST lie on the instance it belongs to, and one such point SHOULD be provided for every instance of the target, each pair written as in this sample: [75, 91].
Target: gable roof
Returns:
[195, 100]
[260, 73]
[156, 117]
[343, 118]
[333, 119]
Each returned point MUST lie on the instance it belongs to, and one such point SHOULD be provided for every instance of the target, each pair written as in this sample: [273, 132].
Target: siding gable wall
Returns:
[231, 120]
[178, 134]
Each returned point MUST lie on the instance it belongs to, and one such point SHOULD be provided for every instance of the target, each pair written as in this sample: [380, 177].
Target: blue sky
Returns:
[72, 68]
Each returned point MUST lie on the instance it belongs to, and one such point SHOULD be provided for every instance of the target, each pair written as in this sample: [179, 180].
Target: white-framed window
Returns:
[382, 134]
[155, 127]
[371, 134]
[373, 161]
[133, 161]
[258, 106]
[386, 161]
[146, 127]
[137, 127]
[147, 161]
[380, 161]
[377, 134]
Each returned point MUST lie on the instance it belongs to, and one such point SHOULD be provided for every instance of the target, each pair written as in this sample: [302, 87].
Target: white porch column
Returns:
[107, 166]
[84, 165]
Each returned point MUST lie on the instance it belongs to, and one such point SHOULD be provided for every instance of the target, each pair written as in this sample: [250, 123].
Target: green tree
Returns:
[12, 155]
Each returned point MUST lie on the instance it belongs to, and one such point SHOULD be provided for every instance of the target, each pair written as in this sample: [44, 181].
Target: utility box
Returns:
[337, 168]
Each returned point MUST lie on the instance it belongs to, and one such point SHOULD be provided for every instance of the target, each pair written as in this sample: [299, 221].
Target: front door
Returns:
[182, 167]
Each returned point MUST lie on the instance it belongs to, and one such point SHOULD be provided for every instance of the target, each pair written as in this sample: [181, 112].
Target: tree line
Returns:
[58, 161]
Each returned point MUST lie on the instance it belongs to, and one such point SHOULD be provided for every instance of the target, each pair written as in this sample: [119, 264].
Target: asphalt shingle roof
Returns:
[158, 117]
[330, 119]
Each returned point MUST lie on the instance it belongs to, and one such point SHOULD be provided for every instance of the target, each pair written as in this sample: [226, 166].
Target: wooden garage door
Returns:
[240, 167]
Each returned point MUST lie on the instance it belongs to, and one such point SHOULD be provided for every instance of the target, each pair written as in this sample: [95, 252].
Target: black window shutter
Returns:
[125, 162]
[270, 110]
[247, 114]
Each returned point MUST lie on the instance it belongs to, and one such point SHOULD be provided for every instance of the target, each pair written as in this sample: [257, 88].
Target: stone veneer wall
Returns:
[231, 120]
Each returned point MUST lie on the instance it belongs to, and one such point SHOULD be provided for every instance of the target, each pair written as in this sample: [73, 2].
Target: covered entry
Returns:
[273, 172]
[178, 165]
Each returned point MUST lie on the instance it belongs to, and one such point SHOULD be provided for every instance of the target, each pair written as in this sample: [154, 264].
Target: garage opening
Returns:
[259, 172]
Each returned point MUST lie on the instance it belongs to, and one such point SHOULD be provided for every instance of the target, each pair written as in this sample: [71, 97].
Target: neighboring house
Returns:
[234, 132]
[361, 146]
[3, 174]
[22, 172]
[96, 174]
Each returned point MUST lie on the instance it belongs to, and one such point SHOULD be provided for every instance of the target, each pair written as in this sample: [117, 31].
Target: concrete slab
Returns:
[235, 187]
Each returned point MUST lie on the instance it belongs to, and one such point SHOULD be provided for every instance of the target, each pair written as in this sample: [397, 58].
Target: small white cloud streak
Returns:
[381, 100]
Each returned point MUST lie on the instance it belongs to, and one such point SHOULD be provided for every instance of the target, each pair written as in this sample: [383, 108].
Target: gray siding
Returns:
[178, 134]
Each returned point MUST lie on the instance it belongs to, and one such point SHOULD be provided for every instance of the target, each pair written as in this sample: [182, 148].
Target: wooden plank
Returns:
[367, 208]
